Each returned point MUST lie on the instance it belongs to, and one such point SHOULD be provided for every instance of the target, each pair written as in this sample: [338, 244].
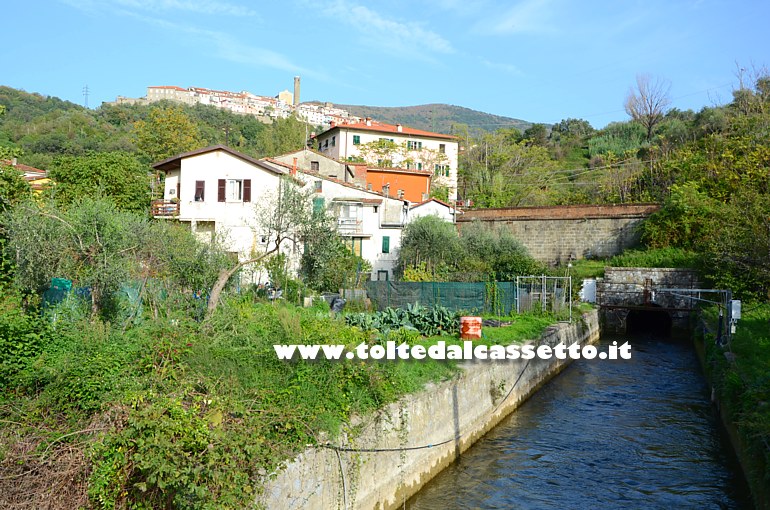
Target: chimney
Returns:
[296, 90]
[368, 121]
[399, 128]
[294, 167]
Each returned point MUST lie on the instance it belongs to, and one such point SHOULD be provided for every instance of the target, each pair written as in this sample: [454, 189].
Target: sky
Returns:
[536, 60]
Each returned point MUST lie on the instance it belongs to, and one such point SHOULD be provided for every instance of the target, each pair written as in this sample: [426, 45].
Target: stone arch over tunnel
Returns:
[650, 320]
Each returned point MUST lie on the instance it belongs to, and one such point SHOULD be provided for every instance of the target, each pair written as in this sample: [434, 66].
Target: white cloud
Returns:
[224, 46]
[408, 39]
[209, 7]
[498, 66]
[526, 17]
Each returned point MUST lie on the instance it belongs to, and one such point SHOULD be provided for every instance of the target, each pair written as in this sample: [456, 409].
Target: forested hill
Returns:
[436, 117]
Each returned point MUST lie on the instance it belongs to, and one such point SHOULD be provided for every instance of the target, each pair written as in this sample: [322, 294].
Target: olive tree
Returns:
[285, 217]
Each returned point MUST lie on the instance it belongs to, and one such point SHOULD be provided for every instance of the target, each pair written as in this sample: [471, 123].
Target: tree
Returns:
[101, 248]
[13, 187]
[572, 128]
[91, 243]
[168, 131]
[500, 173]
[432, 243]
[495, 253]
[536, 134]
[326, 261]
[648, 103]
[285, 218]
[116, 176]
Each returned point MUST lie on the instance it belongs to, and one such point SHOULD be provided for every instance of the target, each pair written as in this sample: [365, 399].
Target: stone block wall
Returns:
[555, 235]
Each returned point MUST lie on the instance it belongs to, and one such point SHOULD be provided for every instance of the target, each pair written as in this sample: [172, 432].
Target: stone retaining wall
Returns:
[557, 234]
[451, 415]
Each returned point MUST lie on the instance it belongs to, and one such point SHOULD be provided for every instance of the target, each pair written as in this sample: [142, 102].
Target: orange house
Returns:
[411, 185]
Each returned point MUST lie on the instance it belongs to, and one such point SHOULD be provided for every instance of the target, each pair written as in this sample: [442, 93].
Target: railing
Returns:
[348, 226]
[165, 208]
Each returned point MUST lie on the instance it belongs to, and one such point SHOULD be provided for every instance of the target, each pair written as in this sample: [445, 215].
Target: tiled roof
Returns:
[175, 162]
[431, 200]
[381, 127]
[171, 87]
[25, 169]
[332, 179]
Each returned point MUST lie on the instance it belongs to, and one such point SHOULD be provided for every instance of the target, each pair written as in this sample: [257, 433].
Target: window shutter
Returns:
[221, 186]
[385, 244]
[318, 205]
[247, 190]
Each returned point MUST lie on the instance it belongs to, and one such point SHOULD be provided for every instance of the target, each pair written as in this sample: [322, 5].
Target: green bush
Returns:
[22, 337]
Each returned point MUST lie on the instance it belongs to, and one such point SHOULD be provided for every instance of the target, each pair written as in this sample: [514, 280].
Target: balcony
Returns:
[349, 226]
[165, 208]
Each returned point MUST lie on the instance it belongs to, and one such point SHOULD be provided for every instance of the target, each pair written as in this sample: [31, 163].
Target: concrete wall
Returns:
[557, 234]
[458, 411]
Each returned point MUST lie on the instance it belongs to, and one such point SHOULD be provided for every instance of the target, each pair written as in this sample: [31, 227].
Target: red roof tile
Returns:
[381, 127]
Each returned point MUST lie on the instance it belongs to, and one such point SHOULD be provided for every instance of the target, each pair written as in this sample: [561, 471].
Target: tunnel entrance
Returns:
[649, 321]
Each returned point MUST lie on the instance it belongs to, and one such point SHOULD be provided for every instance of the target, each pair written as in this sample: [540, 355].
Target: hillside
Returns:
[436, 117]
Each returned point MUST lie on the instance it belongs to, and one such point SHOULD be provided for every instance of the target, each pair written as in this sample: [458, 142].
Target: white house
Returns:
[433, 207]
[419, 150]
[369, 221]
[215, 191]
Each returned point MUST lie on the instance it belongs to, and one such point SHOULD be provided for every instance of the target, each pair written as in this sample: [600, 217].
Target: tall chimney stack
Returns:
[296, 90]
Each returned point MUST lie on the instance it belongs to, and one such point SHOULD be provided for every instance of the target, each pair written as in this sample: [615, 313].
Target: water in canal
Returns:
[637, 433]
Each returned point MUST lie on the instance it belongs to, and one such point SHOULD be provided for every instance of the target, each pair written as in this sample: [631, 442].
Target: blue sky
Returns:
[537, 60]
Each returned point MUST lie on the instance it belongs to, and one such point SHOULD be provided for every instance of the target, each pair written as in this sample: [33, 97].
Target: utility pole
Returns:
[85, 95]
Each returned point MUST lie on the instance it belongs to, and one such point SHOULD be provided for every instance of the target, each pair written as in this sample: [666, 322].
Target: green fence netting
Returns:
[498, 298]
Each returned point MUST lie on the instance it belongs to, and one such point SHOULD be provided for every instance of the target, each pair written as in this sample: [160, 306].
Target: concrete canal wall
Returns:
[398, 449]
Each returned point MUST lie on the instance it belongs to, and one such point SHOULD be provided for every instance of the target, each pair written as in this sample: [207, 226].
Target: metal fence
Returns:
[544, 294]
[497, 298]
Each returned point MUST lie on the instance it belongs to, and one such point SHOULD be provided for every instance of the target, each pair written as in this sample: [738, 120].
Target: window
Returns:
[441, 170]
[348, 211]
[385, 244]
[356, 139]
[442, 148]
[387, 140]
[356, 244]
[314, 166]
[413, 145]
[334, 141]
[234, 190]
[326, 144]
[318, 205]
[419, 166]
[200, 191]
[400, 193]
[319, 186]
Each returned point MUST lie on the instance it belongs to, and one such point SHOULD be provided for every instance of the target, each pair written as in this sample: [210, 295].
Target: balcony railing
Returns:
[349, 226]
[165, 208]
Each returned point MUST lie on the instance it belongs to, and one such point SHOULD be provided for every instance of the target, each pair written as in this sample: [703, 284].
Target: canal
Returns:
[637, 433]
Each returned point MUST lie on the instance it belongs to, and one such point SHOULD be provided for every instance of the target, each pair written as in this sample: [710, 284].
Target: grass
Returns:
[142, 407]
[740, 375]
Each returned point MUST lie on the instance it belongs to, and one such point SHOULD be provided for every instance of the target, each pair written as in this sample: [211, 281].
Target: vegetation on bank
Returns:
[175, 412]
[739, 374]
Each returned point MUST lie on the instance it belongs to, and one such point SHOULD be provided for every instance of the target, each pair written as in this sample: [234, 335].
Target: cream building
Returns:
[216, 191]
[418, 150]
